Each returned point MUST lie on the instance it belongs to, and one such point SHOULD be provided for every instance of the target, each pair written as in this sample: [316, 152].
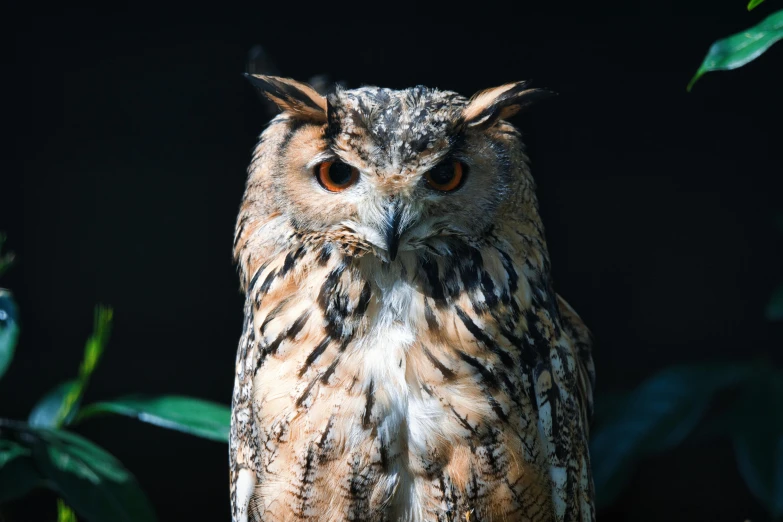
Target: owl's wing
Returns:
[243, 440]
[583, 346]
[529, 354]
[579, 464]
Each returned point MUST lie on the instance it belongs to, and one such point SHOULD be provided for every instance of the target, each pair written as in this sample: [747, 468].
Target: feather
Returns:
[487, 107]
[296, 98]
[446, 383]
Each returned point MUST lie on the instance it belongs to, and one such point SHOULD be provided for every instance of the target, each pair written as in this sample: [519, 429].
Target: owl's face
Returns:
[388, 171]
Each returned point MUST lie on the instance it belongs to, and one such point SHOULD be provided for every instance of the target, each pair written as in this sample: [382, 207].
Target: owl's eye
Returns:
[336, 176]
[446, 177]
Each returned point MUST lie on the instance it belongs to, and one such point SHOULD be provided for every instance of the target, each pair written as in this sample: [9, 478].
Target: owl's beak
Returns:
[393, 231]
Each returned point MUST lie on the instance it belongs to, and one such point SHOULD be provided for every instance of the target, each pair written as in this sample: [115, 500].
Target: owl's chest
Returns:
[368, 386]
[402, 418]
[343, 373]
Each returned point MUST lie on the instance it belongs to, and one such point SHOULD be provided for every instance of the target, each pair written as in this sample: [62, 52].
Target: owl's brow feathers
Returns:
[401, 124]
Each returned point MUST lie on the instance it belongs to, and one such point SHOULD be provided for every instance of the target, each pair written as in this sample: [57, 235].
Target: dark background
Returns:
[132, 128]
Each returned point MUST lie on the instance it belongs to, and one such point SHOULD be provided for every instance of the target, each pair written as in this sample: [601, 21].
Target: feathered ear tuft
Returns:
[296, 98]
[485, 108]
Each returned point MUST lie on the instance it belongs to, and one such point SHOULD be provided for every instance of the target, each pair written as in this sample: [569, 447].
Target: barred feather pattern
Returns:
[452, 384]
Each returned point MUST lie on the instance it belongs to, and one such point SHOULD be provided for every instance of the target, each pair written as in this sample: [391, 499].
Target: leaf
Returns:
[96, 343]
[657, 416]
[758, 441]
[195, 416]
[774, 310]
[753, 4]
[9, 329]
[17, 470]
[47, 412]
[74, 390]
[64, 513]
[10, 450]
[89, 479]
[741, 48]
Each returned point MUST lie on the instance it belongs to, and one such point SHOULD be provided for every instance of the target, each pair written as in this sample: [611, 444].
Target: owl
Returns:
[404, 356]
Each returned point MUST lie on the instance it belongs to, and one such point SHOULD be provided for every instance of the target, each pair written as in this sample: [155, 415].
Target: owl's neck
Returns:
[355, 293]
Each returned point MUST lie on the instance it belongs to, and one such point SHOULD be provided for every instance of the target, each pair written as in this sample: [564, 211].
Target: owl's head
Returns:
[389, 171]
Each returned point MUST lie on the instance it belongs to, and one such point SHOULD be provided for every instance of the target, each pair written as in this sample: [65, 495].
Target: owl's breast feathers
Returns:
[442, 386]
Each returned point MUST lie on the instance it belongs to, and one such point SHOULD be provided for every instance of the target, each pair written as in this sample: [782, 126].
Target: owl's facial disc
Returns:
[394, 206]
[390, 172]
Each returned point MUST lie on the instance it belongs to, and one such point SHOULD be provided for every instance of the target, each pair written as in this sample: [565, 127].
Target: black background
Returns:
[132, 129]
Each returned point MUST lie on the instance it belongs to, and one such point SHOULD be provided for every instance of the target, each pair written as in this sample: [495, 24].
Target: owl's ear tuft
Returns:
[485, 108]
[296, 98]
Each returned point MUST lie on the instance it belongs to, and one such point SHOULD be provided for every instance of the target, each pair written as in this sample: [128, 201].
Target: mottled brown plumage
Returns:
[404, 356]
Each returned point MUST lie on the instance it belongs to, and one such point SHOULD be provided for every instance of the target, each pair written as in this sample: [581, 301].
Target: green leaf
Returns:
[17, 471]
[90, 480]
[9, 330]
[741, 48]
[775, 306]
[195, 416]
[96, 343]
[753, 4]
[10, 450]
[93, 349]
[65, 513]
[758, 441]
[47, 412]
[657, 416]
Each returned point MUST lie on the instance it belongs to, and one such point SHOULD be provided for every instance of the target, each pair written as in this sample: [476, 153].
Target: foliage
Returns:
[41, 453]
[9, 329]
[83, 474]
[659, 415]
[65, 513]
[758, 440]
[201, 418]
[9, 326]
[59, 406]
[667, 408]
[656, 416]
[741, 48]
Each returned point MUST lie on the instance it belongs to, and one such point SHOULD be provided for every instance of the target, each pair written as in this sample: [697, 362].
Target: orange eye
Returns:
[336, 176]
[446, 177]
